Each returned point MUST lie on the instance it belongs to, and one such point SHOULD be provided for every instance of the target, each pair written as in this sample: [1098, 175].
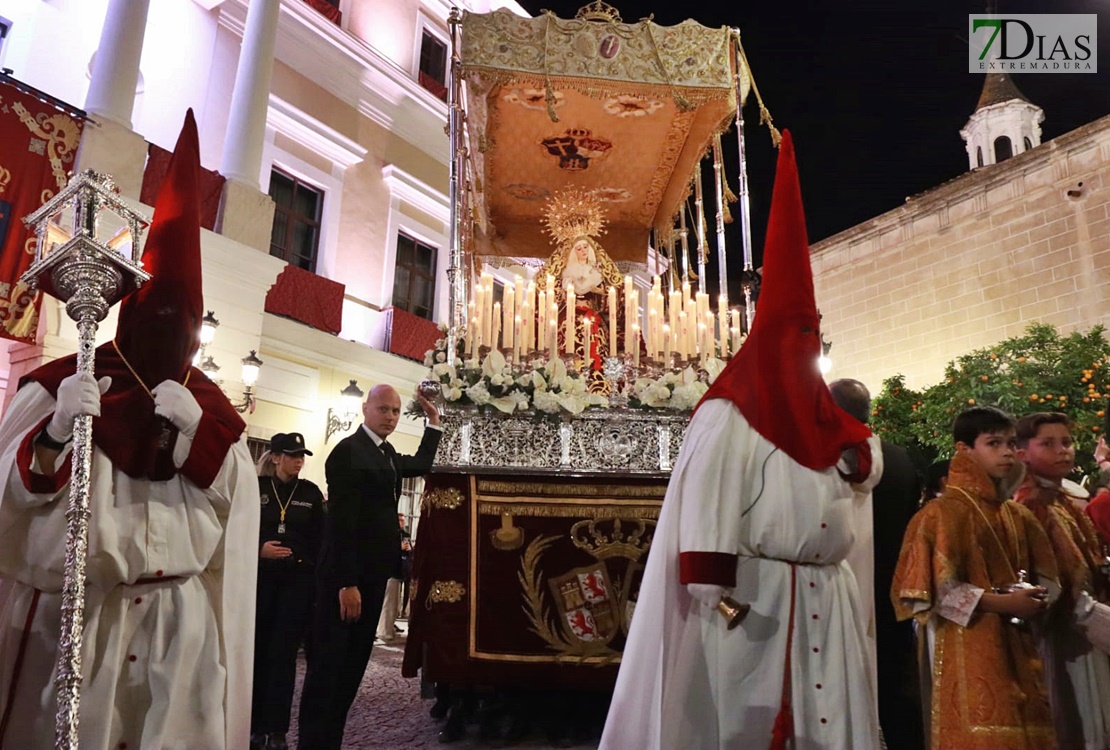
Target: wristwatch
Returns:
[44, 439]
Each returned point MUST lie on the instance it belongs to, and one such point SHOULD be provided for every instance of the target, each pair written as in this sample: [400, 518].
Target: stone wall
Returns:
[971, 262]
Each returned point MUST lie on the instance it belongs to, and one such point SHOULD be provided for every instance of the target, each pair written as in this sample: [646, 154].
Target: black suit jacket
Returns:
[893, 503]
[362, 537]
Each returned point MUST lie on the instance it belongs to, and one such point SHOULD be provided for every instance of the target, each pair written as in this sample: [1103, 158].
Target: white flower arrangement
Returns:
[550, 388]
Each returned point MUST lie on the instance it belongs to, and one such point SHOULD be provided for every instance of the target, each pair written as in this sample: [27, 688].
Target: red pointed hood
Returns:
[774, 379]
[157, 336]
[159, 325]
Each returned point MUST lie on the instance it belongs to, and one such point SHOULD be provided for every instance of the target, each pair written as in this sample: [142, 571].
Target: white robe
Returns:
[686, 682]
[166, 664]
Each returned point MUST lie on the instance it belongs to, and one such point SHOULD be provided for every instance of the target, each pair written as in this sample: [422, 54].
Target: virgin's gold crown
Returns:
[574, 213]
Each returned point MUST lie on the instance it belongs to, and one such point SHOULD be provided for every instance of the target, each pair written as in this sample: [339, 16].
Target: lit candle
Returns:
[653, 320]
[495, 325]
[667, 342]
[628, 314]
[571, 302]
[722, 324]
[735, 331]
[702, 336]
[612, 321]
[674, 307]
[508, 335]
[487, 311]
[636, 349]
[553, 330]
[710, 334]
[529, 299]
[517, 336]
[525, 327]
[518, 285]
[541, 319]
[683, 337]
[587, 341]
[550, 287]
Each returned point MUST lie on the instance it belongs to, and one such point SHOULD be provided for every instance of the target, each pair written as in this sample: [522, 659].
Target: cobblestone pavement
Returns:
[388, 713]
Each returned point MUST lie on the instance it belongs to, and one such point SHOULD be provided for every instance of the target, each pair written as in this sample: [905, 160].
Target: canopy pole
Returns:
[456, 278]
[702, 230]
[749, 279]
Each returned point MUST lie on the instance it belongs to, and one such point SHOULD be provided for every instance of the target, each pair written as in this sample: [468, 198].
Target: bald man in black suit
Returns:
[359, 553]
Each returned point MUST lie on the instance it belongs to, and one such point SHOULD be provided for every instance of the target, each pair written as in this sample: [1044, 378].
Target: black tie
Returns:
[391, 456]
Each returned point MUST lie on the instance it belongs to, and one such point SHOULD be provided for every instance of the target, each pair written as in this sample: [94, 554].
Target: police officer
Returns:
[289, 539]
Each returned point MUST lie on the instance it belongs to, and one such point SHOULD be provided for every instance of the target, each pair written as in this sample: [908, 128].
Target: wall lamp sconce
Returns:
[251, 365]
[351, 399]
[207, 364]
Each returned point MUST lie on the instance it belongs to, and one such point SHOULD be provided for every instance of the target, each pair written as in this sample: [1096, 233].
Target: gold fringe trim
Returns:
[633, 513]
[550, 489]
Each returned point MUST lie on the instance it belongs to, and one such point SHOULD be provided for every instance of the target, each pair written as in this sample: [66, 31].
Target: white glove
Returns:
[709, 594]
[174, 402]
[78, 394]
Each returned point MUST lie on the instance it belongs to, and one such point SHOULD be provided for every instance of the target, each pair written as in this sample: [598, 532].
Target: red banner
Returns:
[37, 145]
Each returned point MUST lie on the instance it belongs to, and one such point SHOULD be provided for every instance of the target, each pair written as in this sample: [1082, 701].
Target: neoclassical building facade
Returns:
[322, 125]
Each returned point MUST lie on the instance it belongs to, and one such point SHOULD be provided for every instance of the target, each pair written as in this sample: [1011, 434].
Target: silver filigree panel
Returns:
[600, 441]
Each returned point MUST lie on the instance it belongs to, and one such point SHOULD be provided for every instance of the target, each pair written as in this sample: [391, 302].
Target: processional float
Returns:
[581, 331]
[82, 235]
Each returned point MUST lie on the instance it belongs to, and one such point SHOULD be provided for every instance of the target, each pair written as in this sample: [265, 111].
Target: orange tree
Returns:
[1038, 371]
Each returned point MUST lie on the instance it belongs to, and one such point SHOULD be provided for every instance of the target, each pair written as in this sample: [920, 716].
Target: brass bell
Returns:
[732, 610]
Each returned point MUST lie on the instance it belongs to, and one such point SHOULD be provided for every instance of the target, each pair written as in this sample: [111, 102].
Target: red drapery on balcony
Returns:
[308, 298]
[409, 335]
[210, 184]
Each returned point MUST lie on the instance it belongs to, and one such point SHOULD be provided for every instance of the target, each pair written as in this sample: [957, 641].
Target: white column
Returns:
[115, 72]
[246, 124]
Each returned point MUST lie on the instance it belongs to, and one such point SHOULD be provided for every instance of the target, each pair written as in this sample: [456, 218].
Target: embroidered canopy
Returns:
[625, 110]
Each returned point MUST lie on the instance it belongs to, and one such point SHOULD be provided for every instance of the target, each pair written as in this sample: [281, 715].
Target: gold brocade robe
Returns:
[988, 690]
[1074, 540]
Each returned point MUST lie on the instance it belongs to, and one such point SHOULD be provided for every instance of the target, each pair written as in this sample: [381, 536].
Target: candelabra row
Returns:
[679, 324]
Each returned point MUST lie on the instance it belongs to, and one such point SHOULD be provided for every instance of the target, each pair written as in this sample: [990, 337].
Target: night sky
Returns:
[875, 94]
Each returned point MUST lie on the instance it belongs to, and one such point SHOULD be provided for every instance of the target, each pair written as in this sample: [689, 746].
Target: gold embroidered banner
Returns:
[39, 143]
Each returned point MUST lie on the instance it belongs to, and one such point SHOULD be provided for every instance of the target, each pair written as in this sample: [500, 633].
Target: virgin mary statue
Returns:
[574, 220]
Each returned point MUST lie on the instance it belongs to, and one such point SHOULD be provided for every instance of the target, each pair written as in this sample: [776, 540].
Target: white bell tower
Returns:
[1003, 124]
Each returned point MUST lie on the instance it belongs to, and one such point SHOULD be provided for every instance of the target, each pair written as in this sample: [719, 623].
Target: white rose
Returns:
[452, 393]
[441, 356]
[497, 380]
[442, 369]
[428, 361]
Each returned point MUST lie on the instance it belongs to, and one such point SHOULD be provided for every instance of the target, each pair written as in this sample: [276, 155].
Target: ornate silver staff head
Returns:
[88, 247]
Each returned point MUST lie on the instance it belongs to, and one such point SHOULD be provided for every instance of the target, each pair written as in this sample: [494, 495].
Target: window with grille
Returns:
[414, 281]
[297, 209]
[257, 446]
[433, 64]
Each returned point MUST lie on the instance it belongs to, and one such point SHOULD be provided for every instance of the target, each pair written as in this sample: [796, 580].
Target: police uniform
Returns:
[293, 515]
